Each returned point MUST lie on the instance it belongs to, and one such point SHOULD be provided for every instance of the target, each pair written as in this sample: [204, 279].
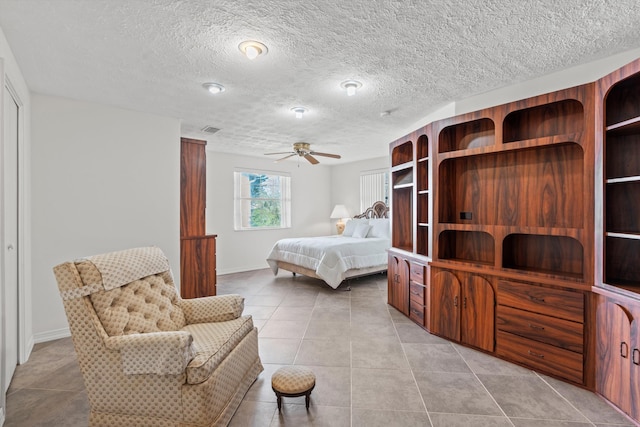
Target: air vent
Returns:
[209, 129]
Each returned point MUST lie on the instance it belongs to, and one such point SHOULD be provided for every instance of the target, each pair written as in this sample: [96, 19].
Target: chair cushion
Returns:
[213, 343]
[293, 380]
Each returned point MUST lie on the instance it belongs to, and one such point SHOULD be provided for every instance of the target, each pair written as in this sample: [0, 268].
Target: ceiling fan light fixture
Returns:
[299, 111]
[351, 86]
[214, 88]
[252, 49]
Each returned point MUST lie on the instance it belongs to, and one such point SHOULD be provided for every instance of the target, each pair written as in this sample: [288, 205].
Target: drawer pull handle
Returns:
[636, 352]
[455, 301]
[536, 299]
[464, 302]
[540, 328]
[414, 293]
[624, 350]
[532, 353]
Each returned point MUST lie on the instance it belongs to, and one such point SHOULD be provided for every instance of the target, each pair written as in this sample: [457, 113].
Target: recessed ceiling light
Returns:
[351, 86]
[213, 87]
[299, 111]
[252, 49]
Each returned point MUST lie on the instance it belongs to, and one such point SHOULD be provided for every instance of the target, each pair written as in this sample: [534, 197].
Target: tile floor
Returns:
[374, 367]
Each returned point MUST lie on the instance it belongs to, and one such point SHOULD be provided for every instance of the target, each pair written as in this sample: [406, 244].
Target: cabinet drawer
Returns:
[416, 312]
[537, 355]
[417, 273]
[416, 293]
[558, 332]
[552, 302]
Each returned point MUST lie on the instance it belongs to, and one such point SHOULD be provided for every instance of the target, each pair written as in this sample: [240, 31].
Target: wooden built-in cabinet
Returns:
[197, 250]
[618, 350]
[462, 308]
[617, 239]
[529, 216]
[513, 209]
[398, 283]
[410, 225]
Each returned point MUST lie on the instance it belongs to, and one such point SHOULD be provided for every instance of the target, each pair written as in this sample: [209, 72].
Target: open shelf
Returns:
[622, 155]
[533, 187]
[402, 211]
[622, 262]
[623, 101]
[467, 246]
[402, 178]
[463, 136]
[423, 240]
[401, 154]
[556, 118]
[423, 176]
[623, 207]
[555, 255]
[422, 147]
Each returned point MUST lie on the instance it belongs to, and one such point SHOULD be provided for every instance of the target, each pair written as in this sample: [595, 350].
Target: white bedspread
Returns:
[330, 256]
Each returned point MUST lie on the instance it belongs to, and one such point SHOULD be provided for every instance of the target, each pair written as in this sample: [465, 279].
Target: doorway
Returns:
[10, 241]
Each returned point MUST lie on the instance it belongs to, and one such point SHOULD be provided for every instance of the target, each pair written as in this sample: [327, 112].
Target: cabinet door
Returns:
[445, 305]
[398, 284]
[613, 354]
[635, 370]
[478, 313]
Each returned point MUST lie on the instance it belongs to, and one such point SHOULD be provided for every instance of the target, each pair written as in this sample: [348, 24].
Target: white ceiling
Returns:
[411, 56]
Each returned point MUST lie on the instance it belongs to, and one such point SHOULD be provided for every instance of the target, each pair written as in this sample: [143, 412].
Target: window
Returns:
[262, 200]
[374, 186]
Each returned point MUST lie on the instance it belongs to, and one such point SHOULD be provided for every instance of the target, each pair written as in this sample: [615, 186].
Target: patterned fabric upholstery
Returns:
[148, 357]
[293, 380]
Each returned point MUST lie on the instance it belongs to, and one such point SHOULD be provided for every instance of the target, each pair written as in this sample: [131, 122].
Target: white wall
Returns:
[104, 179]
[10, 71]
[248, 250]
[345, 182]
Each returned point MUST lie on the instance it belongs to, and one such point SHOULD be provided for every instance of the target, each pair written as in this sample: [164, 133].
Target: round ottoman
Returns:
[293, 381]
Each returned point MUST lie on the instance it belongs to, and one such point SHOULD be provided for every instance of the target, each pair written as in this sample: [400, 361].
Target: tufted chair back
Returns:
[147, 304]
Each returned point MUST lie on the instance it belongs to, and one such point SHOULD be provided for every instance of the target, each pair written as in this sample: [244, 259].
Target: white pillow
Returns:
[362, 230]
[380, 227]
[351, 225]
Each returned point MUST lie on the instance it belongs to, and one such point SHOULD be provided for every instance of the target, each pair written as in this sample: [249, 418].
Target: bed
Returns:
[360, 250]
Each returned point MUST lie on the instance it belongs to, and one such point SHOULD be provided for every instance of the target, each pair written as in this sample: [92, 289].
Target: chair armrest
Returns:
[212, 309]
[163, 353]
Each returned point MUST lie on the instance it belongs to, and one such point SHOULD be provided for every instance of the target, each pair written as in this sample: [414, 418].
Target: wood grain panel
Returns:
[478, 313]
[551, 330]
[538, 299]
[555, 118]
[613, 353]
[540, 356]
[198, 266]
[193, 177]
[445, 304]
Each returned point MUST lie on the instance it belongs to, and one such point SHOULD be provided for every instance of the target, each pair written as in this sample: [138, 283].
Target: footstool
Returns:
[293, 381]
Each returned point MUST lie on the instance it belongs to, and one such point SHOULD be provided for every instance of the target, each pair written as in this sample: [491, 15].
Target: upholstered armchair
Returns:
[148, 357]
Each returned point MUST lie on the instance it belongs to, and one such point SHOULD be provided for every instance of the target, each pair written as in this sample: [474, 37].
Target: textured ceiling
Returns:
[412, 56]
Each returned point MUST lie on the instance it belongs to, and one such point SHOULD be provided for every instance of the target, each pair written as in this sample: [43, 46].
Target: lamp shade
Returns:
[340, 211]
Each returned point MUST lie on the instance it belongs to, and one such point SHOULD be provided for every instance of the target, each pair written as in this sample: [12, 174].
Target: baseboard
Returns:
[52, 335]
[242, 269]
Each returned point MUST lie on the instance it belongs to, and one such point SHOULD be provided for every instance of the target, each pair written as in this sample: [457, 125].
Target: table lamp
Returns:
[339, 212]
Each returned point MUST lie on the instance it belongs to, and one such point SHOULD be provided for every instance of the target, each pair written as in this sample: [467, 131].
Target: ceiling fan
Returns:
[303, 149]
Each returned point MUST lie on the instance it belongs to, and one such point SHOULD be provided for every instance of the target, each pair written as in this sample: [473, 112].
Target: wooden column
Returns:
[197, 250]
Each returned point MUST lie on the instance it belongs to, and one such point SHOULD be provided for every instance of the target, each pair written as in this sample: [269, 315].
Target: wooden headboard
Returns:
[377, 210]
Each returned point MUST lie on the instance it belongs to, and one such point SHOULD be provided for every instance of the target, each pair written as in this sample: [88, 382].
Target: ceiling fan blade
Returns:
[335, 156]
[284, 152]
[285, 157]
[311, 159]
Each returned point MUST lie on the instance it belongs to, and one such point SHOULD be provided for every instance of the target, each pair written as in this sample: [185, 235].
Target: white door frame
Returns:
[24, 345]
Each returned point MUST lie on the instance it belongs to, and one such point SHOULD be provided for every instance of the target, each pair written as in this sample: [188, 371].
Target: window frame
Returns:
[240, 201]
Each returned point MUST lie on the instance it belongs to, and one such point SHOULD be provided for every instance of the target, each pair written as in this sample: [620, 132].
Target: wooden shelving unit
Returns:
[411, 225]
